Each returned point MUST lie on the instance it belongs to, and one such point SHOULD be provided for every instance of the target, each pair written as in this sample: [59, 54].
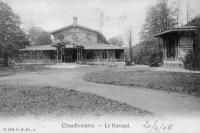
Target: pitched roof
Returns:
[176, 29]
[78, 26]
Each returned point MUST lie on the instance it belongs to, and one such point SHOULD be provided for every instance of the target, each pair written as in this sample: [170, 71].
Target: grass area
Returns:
[171, 81]
[34, 100]
[6, 71]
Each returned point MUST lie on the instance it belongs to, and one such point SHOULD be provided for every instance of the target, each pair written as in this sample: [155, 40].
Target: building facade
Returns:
[78, 43]
[177, 43]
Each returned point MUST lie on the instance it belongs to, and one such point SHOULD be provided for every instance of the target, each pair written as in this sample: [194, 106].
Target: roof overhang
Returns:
[176, 30]
[39, 48]
[100, 46]
[68, 44]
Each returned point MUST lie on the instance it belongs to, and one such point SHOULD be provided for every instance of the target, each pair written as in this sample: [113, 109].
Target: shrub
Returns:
[148, 52]
[156, 59]
[189, 62]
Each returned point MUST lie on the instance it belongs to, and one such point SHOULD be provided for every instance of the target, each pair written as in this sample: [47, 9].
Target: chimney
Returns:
[75, 22]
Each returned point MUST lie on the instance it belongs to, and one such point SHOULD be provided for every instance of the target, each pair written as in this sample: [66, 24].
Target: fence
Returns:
[104, 61]
[34, 61]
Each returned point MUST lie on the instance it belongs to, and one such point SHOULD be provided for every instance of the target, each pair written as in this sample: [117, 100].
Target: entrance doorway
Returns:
[170, 49]
[70, 55]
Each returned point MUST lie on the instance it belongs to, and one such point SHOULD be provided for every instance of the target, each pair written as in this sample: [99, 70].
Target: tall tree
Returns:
[159, 17]
[116, 41]
[188, 12]
[11, 36]
[130, 41]
[38, 36]
[101, 18]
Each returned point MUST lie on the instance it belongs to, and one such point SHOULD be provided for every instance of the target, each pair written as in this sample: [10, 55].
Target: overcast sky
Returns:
[53, 14]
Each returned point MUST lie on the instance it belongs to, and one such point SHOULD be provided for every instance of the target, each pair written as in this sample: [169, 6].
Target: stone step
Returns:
[173, 65]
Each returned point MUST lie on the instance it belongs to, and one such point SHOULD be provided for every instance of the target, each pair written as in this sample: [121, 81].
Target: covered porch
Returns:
[177, 43]
[70, 52]
[103, 54]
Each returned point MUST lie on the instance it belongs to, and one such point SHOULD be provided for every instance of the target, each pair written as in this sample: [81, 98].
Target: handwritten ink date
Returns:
[157, 126]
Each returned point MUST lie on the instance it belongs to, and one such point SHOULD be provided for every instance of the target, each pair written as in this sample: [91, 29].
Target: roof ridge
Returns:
[78, 25]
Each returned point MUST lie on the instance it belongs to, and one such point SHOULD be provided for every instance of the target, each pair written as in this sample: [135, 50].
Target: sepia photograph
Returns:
[103, 66]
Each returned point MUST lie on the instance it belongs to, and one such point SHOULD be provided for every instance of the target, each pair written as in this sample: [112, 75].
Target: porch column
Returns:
[57, 55]
[194, 37]
[81, 54]
[176, 49]
[114, 55]
[107, 55]
[61, 53]
[165, 50]
[77, 53]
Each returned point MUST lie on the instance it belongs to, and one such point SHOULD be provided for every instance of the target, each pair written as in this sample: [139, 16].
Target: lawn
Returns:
[39, 101]
[170, 81]
[7, 71]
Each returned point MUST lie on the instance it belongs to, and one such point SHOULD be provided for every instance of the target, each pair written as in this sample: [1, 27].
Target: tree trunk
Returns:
[5, 58]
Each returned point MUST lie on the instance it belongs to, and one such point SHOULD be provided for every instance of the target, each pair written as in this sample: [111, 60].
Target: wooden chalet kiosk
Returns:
[177, 42]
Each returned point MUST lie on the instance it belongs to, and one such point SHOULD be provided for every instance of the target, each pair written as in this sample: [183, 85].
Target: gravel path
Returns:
[159, 102]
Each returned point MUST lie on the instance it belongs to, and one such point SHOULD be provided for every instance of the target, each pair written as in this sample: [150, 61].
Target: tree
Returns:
[101, 18]
[188, 11]
[147, 52]
[159, 17]
[12, 37]
[38, 36]
[196, 54]
[130, 41]
[116, 41]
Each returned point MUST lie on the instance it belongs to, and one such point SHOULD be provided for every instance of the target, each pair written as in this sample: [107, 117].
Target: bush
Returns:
[156, 60]
[148, 52]
[189, 62]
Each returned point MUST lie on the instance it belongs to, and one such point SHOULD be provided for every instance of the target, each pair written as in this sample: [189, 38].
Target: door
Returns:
[170, 49]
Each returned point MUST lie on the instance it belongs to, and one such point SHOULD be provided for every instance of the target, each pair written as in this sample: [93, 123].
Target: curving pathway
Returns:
[160, 102]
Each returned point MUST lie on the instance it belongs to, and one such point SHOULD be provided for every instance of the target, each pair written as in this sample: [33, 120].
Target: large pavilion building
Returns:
[76, 43]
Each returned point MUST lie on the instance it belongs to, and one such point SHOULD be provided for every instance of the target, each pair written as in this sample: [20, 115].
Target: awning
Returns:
[177, 29]
[87, 46]
[100, 46]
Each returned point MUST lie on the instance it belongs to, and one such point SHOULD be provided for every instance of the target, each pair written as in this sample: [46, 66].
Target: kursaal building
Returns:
[76, 43]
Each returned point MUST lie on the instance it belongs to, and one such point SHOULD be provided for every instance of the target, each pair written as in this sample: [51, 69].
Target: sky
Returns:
[118, 14]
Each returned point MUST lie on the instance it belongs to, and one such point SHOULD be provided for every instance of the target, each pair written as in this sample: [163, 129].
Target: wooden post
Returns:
[176, 48]
[76, 54]
[56, 55]
[165, 49]
[61, 55]
[107, 55]
[81, 54]
[194, 48]
[114, 56]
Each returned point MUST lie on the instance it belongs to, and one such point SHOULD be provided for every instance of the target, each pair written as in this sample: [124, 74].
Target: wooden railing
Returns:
[109, 62]
[103, 60]
[35, 61]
